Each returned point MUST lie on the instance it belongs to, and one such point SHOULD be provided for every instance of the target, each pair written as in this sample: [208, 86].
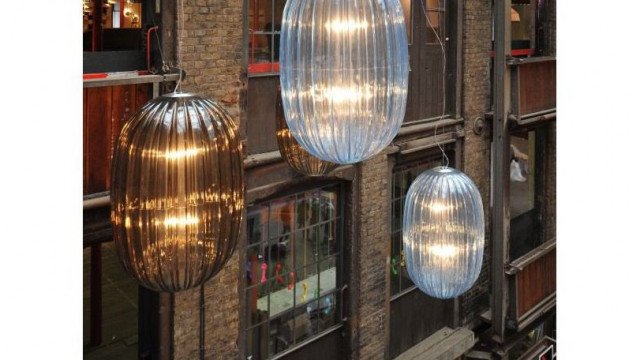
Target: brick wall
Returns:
[210, 47]
[370, 323]
[476, 91]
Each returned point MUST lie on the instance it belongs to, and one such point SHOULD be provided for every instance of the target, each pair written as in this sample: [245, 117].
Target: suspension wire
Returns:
[181, 22]
[445, 158]
[165, 68]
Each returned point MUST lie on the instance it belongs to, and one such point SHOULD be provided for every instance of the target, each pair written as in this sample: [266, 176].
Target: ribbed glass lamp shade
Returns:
[443, 232]
[177, 192]
[344, 73]
[298, 158]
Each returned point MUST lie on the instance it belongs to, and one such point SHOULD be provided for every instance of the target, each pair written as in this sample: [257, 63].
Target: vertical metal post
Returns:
[165, 331]
[202, 323]
[96, 29]
[156, 89]
[95, 296]
[500, 166]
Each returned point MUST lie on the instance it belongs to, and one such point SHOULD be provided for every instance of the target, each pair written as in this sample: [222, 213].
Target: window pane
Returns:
[521, 26]
[307, 284]
[256, 224]
[328, 275]
[254, 260]
[257, 342]
[281, 299]
[257, 303]
[523, 227]
[522, 174]
[281, 333]
[327, 235]
[120, 29]
[306, 325]
[396, 247]
[327, 314]
[264, 19]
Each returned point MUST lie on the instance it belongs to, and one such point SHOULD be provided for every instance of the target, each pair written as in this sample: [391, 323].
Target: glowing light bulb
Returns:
[349, 25]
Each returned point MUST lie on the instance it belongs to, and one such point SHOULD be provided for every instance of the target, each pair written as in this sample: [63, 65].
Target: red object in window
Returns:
[263, 279]
[292, 279]
[262, 68]
[518, 52]
[279, 278]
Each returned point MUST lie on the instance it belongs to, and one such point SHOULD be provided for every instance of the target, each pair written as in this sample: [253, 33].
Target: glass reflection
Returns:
[292, 267]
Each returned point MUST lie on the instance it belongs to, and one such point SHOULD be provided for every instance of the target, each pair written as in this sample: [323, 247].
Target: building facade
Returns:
[319, 269]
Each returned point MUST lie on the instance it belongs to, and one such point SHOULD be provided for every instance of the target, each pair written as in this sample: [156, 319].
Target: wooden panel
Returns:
[97, 138]
[537, 82]
[414, 317]
[123, 100]
[536, 282]
[105, 110]
[261, 114]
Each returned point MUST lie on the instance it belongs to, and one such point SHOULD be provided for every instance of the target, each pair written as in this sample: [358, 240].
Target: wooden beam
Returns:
[520, 263]
[445, 344]
[500, 168]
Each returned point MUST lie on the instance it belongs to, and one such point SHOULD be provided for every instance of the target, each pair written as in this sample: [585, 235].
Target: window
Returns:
[265, 18]
[293, 269]
[429, 90]
[529, 27]
[521, 26]
[532, 190]
[114, 35]
[401, 180]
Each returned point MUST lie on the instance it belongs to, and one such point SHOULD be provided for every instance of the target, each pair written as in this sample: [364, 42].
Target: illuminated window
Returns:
[293, 269]
[114, 35]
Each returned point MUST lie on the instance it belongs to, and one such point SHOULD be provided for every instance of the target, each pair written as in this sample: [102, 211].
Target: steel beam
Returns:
[500, 168]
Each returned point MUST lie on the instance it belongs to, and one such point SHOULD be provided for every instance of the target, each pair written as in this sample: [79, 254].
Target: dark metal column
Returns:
[95, 296]
[500, 167]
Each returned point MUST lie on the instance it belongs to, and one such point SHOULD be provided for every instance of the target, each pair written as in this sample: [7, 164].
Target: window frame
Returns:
[428, 161]
[451, 13]
[271, 68]
[337, 256]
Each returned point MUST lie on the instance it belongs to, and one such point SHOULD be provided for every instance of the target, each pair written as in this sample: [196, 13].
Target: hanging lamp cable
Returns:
[165, 67]
[445, 158]
[180, 36]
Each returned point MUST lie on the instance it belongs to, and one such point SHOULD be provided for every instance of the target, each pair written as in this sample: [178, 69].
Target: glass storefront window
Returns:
[293, 269]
